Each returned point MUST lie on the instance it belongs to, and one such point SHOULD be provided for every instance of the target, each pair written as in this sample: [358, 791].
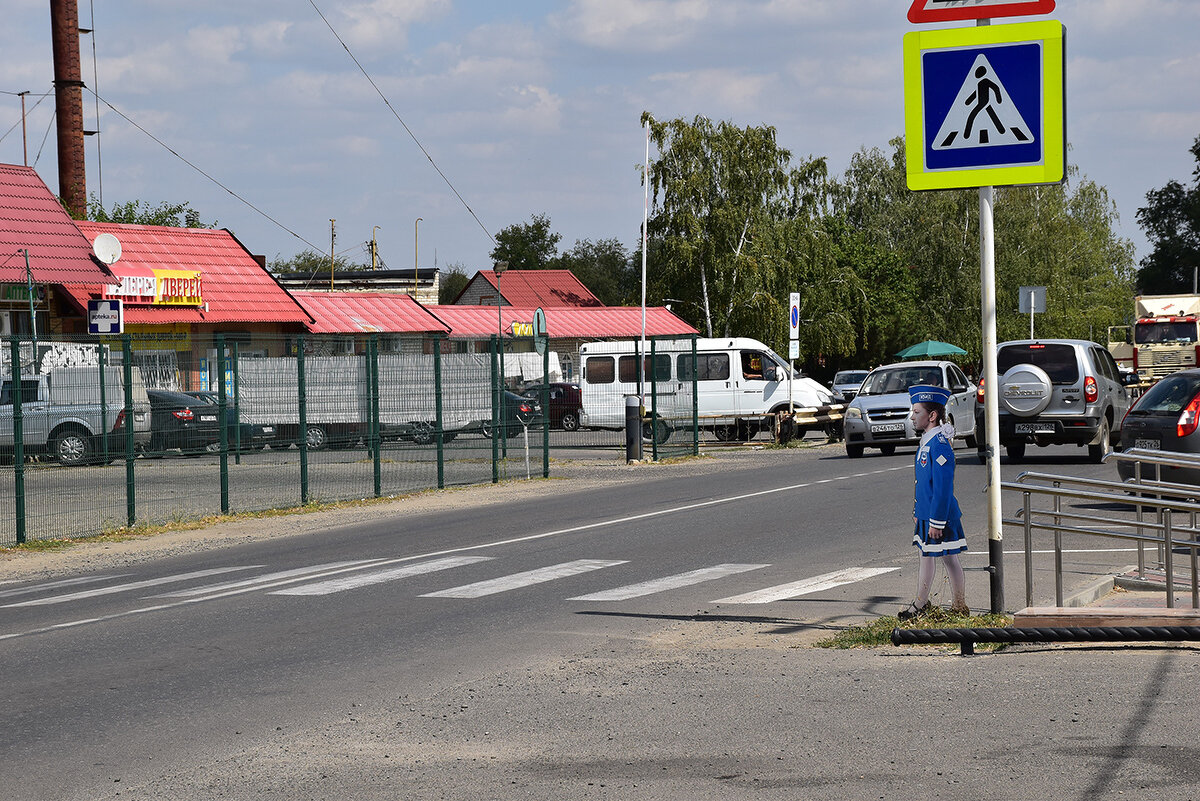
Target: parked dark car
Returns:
[175, 422]
[254, 437]
[565, 402]
[519, 412]
[1165, 418]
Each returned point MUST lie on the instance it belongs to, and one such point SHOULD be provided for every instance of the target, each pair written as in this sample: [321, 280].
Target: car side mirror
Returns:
[1130, 379]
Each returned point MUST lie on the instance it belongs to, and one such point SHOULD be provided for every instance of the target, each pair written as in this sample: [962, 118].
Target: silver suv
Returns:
[879, 415]
[1057, 392]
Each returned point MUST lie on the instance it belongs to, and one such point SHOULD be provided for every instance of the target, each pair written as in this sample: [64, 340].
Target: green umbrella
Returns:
[930, 348]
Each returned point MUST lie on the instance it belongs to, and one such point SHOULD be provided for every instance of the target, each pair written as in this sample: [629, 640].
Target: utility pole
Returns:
[24, 140]
[374, 248]
[332, 240]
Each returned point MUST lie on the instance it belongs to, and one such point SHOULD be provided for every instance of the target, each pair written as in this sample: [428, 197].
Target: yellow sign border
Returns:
[1052, 170]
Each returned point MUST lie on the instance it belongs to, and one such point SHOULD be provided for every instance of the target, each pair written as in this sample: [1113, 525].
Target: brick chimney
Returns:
[68, 101]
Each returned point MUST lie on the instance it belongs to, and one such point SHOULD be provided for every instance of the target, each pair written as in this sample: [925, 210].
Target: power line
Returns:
[170, 150]
[408, 130]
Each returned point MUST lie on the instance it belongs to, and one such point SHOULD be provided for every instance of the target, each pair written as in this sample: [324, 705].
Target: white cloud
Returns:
[633, 24]
[385, 23]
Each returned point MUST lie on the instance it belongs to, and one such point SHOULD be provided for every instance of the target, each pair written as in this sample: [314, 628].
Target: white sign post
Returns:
[793, 344]
[1033, 299]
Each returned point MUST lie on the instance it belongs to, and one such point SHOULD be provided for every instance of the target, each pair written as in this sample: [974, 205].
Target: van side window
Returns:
[29, 392]
[709, 366]
[752, 365]
[628, 369]
[599, 370]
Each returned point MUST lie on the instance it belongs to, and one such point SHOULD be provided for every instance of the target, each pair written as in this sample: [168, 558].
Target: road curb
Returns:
[1092, 592]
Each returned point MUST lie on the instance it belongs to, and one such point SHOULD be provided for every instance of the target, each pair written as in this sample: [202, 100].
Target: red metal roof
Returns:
[32, 218]
[369, 312]
[545, 288]
[236, 289]
[564, 322]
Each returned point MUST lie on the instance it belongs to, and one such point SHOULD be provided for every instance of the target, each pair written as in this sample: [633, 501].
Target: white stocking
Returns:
[925, 579]
[958, 581]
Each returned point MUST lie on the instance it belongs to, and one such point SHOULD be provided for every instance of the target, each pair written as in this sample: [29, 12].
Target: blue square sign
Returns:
[105, 317]
[984, 106]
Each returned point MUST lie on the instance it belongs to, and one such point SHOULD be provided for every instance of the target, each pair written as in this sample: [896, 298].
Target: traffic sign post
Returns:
[984, 106]
[793, 343]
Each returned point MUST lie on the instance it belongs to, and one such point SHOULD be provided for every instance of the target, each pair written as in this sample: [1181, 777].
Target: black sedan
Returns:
[175, 422]
[1165, 418]
[519, 412]
[254, 437]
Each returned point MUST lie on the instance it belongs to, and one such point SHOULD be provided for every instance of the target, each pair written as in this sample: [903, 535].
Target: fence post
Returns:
[237, 406]
[695, 401]
[130, 489]
[496, 398]
[1169, 557]
[373, 428]
[222, 422]
[103, 404]
[653, 400]
[438, 412]
[14, 346]
[546, 409]
[302, 410]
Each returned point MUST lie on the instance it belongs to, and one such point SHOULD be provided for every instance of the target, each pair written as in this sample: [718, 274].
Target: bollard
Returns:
[633, 428]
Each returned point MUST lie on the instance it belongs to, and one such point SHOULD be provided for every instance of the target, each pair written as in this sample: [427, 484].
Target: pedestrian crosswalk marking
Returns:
[263, 579]
[806, 586]
[667, 583]
[135, 585]
[529, 577]
[54, 585]
[380, 577]
[983, 113]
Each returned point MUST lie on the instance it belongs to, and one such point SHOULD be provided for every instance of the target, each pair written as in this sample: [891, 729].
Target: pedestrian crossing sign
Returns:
[984, 106]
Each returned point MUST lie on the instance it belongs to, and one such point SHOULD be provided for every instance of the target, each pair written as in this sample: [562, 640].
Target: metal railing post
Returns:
[1028, 550]
[1058, 561]
[1141, 549]
[223, 421]
[14, 346]
[302, 410]
[130, 488]
[1170, 558]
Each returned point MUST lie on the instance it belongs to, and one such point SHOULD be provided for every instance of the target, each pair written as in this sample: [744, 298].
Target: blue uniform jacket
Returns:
[934, 499]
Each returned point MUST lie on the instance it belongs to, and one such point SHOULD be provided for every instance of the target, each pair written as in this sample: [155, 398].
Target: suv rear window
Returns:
[1057, 359]
[1170, 395]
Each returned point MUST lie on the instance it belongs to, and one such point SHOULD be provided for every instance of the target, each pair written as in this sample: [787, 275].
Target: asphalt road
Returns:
[642, 636]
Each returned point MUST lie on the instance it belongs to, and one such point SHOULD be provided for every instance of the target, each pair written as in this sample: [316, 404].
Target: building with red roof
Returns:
[403, 324]
[33, 222]
[527, 289]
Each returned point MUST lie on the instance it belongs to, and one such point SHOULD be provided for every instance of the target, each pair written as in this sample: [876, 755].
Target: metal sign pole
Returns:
[991, 413]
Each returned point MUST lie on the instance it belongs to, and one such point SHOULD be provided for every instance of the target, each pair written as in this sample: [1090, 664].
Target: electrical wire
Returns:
[18, 122]
[408, 130]
[53, 115]
[170, 150]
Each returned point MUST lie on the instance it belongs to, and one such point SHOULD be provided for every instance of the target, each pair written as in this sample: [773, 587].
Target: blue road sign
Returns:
[105, 317]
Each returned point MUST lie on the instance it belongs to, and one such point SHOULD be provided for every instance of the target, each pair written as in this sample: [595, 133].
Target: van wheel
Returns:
[72, 446]
[1103, 447]
[422, 433]
[725, 433]
[661, 432]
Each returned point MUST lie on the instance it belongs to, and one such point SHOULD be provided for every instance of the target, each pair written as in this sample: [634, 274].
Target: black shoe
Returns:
[912, 610]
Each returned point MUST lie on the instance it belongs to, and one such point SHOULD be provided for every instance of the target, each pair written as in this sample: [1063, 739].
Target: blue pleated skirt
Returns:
[953, 540]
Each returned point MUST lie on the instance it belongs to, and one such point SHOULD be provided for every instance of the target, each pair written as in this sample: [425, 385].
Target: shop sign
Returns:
[160, 288]
[20, 292]
[522, 329]
[145, 336]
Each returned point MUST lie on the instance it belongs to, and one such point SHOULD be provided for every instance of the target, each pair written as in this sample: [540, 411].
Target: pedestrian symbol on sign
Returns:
[983, 113]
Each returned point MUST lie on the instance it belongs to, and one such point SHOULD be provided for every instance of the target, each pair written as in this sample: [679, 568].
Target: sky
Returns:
[255, 114]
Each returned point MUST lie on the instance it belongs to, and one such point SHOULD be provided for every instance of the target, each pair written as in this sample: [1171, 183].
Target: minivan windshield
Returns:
[892, 380]
[1056, 358]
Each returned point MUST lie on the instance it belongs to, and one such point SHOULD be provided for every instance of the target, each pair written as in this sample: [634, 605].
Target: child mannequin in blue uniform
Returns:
[938, 533]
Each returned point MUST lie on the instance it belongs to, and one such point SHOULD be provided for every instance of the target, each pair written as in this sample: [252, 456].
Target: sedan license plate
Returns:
[1151, 444]
[208, 418]
[886, 427]
[268, 430]
[1034, 428]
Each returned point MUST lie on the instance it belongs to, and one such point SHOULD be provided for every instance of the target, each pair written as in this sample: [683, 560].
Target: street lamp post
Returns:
[416, 234]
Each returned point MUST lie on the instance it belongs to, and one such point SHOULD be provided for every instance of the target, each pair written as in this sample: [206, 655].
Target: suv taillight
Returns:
[1091, 392]
[1188, 418]
[183, 414]
[979, 392]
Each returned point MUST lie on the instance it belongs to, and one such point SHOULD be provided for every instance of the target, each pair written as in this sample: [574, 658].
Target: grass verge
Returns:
[879, 632]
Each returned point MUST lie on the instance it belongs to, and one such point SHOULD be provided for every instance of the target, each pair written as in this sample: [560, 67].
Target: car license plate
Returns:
[1034, 428]
[886, 427]
[268, 430]
[1152, 444]
[208, 418]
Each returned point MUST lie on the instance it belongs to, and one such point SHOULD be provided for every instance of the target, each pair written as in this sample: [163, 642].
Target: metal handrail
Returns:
[1163, 530]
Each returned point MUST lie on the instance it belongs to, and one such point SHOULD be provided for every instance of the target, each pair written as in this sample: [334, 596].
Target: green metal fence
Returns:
[99, 435]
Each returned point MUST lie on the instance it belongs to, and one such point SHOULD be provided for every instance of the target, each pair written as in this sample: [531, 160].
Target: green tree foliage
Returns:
[453, 281]
[604, 267]
[1171, 220]
[527, 246]
[309, 261]
[137, 212]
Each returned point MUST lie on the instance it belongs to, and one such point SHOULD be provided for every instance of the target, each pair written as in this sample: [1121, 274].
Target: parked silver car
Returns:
[846, 383]
[1057, 392]
[878, 417]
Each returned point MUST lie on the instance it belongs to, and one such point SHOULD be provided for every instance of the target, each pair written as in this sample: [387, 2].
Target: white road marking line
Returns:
[667, 583]
[367, 579]
[265, 578]
[807, 586]
[53, 585]
[134, 585]
[529, 577]
[464, 549]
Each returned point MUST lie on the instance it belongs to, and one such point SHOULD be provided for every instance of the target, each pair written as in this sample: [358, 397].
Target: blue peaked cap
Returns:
[925, 393]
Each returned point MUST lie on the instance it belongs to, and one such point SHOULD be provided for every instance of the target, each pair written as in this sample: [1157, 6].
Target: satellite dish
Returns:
[107, 248]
